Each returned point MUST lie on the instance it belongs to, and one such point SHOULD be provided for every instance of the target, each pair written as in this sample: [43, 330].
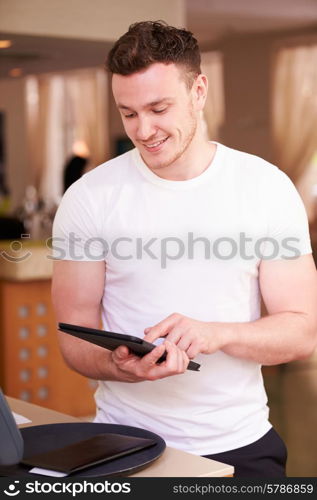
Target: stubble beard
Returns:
[183, 147]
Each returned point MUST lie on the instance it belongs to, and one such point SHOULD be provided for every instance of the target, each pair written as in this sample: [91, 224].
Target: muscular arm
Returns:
[77, 291]
[288, 332]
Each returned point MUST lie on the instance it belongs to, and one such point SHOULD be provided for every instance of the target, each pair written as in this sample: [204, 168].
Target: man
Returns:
[179, 238]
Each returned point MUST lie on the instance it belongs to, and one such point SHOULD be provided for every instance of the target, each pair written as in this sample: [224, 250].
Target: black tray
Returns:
[42, 438]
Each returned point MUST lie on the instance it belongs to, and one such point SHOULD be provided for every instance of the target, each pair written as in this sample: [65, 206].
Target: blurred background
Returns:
[58, 120]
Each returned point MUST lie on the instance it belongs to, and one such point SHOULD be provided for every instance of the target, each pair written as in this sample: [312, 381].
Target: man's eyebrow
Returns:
[153, 103]
[159, 101]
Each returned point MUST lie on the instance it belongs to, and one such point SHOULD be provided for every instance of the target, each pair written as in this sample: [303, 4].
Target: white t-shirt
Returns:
[192, 247]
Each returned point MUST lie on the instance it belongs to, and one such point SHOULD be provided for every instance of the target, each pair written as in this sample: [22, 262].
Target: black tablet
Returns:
[111, 340]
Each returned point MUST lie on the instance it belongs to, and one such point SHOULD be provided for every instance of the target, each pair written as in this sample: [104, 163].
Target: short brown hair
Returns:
[148, 42]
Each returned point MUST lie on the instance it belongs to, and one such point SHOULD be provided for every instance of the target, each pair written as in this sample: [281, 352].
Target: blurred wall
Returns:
[12, 103]
[93, 19]
[247, 62]
[79, 19]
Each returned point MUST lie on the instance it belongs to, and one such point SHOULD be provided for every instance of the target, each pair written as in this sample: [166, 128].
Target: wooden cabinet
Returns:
[32, 368]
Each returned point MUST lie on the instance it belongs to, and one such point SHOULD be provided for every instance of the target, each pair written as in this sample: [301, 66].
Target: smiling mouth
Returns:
[156, 144]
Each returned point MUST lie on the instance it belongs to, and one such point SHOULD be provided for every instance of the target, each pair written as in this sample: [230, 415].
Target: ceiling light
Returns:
[5, 44]
[15, 72]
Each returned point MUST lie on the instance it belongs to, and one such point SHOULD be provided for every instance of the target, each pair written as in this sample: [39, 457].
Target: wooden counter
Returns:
[25, 259]
[173, 463]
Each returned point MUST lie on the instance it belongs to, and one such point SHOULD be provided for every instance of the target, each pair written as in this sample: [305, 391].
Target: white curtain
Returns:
[50, 178]
[87, 94]
[212, 67]
[294, 109]
[63, 109]
[307, 187]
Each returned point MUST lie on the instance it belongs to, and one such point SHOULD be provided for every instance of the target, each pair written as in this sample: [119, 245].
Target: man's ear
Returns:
[200, 89]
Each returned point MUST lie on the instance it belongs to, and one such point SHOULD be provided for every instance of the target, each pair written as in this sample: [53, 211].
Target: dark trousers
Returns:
[264, 458]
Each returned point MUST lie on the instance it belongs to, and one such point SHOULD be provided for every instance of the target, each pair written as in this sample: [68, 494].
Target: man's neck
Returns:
[194, 161]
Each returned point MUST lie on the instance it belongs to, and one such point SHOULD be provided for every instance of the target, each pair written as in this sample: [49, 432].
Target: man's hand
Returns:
[134, 369]
[190, 335]
[287, 333]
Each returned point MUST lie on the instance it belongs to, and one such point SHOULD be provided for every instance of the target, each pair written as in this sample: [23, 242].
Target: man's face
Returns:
[158, 112]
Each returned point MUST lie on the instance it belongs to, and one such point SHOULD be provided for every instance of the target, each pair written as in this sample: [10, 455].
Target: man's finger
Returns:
[152, 357]
[121, 353]
[159, 330]
[162, 328]
[174, 357]
[186, 359]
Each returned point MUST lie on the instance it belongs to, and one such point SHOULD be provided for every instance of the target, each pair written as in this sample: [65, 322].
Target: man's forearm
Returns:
[274, 339]
[91, 360]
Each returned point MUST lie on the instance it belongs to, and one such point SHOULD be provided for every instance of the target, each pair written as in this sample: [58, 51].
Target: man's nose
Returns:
[145, 129]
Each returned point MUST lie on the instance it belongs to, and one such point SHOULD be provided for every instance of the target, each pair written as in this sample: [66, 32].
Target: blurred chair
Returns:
[11, 228]
[73, 170]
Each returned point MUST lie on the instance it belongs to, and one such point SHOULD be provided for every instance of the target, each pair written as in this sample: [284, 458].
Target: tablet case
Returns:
[40, 439]
[88, 452]
[111, 340]
[11, 441]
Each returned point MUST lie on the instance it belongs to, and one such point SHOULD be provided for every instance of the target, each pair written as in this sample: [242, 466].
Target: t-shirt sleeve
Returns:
[76, 227]
[287, 223]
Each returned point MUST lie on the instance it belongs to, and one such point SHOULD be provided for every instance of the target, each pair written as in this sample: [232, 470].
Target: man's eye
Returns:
[131, 115]
[159, 110]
